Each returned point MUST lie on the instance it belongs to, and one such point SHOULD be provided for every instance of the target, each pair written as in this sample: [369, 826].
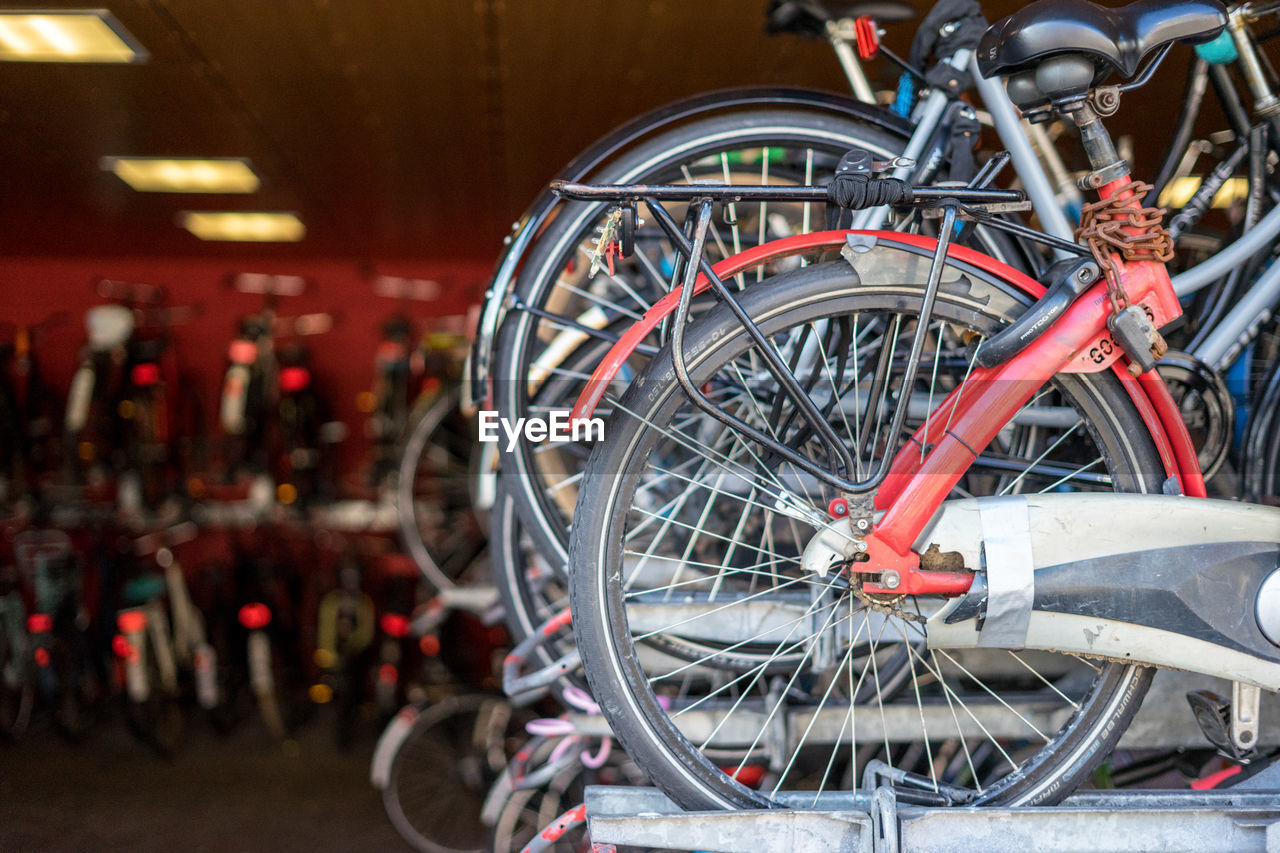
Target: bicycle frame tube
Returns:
[1263, 234]
[1009, 127]
[850, 65]
[1030, 170]
[1224, 343]
[915, 489]
[927, 117]
[987, 401]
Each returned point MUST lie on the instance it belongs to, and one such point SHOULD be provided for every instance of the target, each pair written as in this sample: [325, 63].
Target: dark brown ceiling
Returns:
[393, 127]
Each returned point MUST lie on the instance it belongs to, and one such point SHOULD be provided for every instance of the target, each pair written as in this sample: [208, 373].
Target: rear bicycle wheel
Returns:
[558, 298]
[439, 525]
[685, 536]
[760, 147]
[157, 718]
[17, 691]
[444, 768]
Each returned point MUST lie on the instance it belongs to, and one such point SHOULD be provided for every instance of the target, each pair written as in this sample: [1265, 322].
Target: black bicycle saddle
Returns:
[809, 18]
[1117, 39]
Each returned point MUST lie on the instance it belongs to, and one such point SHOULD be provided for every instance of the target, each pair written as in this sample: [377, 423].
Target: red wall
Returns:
[31, 289]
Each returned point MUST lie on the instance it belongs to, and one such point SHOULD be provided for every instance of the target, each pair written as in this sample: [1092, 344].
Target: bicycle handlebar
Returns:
[1069, 278]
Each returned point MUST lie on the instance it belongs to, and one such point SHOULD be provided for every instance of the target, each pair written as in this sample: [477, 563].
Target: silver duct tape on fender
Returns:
[1011, 577]
[1166, 581]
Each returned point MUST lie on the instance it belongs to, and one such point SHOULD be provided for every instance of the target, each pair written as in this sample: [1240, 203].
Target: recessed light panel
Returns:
[89, 35]
[244, 227]
[184, 175]
[1180, 190]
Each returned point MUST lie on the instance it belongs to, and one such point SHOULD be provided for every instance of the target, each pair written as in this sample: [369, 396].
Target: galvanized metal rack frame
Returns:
[1243, 818]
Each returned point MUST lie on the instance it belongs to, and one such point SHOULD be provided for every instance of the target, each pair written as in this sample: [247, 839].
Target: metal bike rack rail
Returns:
[1243, 818]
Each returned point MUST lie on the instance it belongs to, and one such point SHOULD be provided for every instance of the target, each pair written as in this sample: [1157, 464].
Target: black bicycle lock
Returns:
[855, 186]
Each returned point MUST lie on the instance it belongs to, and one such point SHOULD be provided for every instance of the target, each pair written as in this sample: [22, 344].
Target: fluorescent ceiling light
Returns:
[86, 35]
[1180, 190]
[184, 175]
[244, 227]
[277, 285]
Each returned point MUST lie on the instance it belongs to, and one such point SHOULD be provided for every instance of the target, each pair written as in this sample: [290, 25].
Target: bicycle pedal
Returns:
[1213, 714]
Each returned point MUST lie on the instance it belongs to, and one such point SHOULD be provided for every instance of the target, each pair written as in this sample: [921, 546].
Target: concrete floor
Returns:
[242, 792]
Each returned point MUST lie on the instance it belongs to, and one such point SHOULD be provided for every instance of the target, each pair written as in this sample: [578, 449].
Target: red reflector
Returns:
[430, 385]
[42, 657]
[145, 374]
[868, 37]
[1213, 780]
[120, 646]
[390, 351]
[38, 623]
[751, 775]
[388, 674]
[242, 351]
[395, 625]
[131, 621]
[398, 565]
[430, 645]
[254, 616]
[294, 379]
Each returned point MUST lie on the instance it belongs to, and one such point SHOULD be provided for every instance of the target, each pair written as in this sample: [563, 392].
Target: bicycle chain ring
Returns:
[881, 602]
[890, 604]
[1206, 405]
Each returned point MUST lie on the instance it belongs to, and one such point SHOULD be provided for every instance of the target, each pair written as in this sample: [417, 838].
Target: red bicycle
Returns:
[902, 510]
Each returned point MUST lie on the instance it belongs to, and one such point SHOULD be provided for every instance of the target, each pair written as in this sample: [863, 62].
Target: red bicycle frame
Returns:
[966, 421]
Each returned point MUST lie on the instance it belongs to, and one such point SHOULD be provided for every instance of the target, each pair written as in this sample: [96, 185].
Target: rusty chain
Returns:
[1102, 229]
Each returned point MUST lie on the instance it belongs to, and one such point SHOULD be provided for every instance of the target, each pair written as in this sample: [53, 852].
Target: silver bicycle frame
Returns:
[1008, 126]
[1030, 171]
[1234, 330]
[838, 37]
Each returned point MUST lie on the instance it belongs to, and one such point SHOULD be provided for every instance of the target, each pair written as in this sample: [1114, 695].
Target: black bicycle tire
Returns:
[415, 444]
[157, 720]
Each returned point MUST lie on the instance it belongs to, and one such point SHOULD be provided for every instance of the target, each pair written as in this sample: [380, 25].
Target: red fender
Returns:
[1149, 394]
[775, 250]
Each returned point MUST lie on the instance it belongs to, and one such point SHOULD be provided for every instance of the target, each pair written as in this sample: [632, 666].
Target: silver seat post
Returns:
[1008, 125]
[928, 115]
[840, 33]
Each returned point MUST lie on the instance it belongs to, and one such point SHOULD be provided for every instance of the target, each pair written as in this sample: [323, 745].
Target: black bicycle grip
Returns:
[1069, 278]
